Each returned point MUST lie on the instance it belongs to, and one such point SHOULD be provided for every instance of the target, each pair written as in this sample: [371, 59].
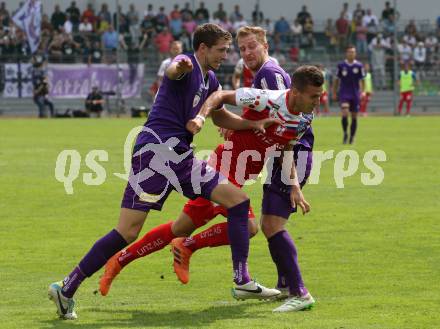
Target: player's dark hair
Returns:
[307, 75]
[350, 47]
[209, 34]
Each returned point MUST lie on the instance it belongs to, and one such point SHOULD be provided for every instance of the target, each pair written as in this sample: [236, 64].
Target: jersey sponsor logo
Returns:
[147, 197]
[280, 130]
[248, 100]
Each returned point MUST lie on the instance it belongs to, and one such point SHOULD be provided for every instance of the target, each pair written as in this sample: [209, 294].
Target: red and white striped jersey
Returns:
[263, 104]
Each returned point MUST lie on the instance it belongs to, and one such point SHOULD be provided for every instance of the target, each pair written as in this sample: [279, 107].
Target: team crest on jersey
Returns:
[355, 70]
[344, 72]
[280, 130]
[197, 97]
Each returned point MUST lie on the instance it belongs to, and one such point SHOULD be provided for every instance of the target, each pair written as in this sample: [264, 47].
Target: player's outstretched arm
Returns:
[228, 120]
[179, 68]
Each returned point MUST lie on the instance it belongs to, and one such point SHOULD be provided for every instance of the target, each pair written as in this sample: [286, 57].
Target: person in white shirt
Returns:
[175, 49]
[405, 52]
[419, 55]
[85, 26]
[68, 26]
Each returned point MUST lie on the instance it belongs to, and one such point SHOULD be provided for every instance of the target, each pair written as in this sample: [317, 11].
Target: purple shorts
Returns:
[353, 103]
[276, 195]
[155, 174]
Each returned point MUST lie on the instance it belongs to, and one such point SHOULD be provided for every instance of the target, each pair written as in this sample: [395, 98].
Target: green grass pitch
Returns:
[370, 255]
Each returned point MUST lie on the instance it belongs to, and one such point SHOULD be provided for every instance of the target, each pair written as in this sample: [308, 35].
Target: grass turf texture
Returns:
[370, 255]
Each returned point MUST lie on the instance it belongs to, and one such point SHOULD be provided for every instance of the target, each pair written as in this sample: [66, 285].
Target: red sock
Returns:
[216, 235]
[154, 240]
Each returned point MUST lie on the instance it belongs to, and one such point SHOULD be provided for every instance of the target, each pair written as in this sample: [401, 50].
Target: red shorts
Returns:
[406, 96]
[201, 211]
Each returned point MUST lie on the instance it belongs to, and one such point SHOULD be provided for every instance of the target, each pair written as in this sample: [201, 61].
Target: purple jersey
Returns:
[177, 102]
[272, 76]
[349, 76]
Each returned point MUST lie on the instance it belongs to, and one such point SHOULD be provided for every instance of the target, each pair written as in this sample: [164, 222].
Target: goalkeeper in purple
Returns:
[163, 161]
[348, 86]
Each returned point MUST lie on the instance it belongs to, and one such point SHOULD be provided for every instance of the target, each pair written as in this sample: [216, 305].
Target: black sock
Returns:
[353, 128]
[344, 124]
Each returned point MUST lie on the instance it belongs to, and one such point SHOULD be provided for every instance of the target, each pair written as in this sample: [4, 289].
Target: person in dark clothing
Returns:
[41, 92]
[94, 102]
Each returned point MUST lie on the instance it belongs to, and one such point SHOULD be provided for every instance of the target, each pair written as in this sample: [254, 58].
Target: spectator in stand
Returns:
[200, 19]
[94, 102]
[55, 48]
[110, 40]
[220, 14]
[388, 25]
[387, 11]
[346, 11]
[104, 15]
[3, 11]
[419, 56]
[233, 57]
[331, 34]
[150, 10]
[358, 13]
[257, 15]
[85, 26]
[378, 58]
[431, 43]
[175, 49]
[372, 23]
[89, 13]
[297, 31]
[69, 47]
[133, 23]
[411, 28]
[176, 23]
[203, 11]
[94, 54]
[161, 20]
[187, 13]
[235, 14]
[148, 25]
[186, 39]
[405, 52]
[68, 25]
[303, 15]
[342, 31]
[74, 15]
[361, 36]
[162, 42]
[46, 26]
[226, 25]
[189, 24]
[410, 39]
[239, 23]
[120, 20]
[308, 40]
[281, 32]
[58, 18]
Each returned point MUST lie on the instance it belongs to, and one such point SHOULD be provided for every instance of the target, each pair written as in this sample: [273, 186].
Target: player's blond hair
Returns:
[259, 33]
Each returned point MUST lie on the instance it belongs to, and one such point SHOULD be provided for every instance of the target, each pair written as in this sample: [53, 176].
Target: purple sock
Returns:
[288, 261]
[282, 281]
[96, 258]
[238, 233]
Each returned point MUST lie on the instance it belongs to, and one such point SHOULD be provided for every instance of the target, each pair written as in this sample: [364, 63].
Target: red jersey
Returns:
[261, 104]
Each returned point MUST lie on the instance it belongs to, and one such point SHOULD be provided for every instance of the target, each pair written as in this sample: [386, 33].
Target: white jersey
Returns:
[273, 104]
[163, 66]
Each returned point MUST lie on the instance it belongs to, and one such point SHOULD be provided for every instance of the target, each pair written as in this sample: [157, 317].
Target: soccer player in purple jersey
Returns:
[347, 88]
[166, 138]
